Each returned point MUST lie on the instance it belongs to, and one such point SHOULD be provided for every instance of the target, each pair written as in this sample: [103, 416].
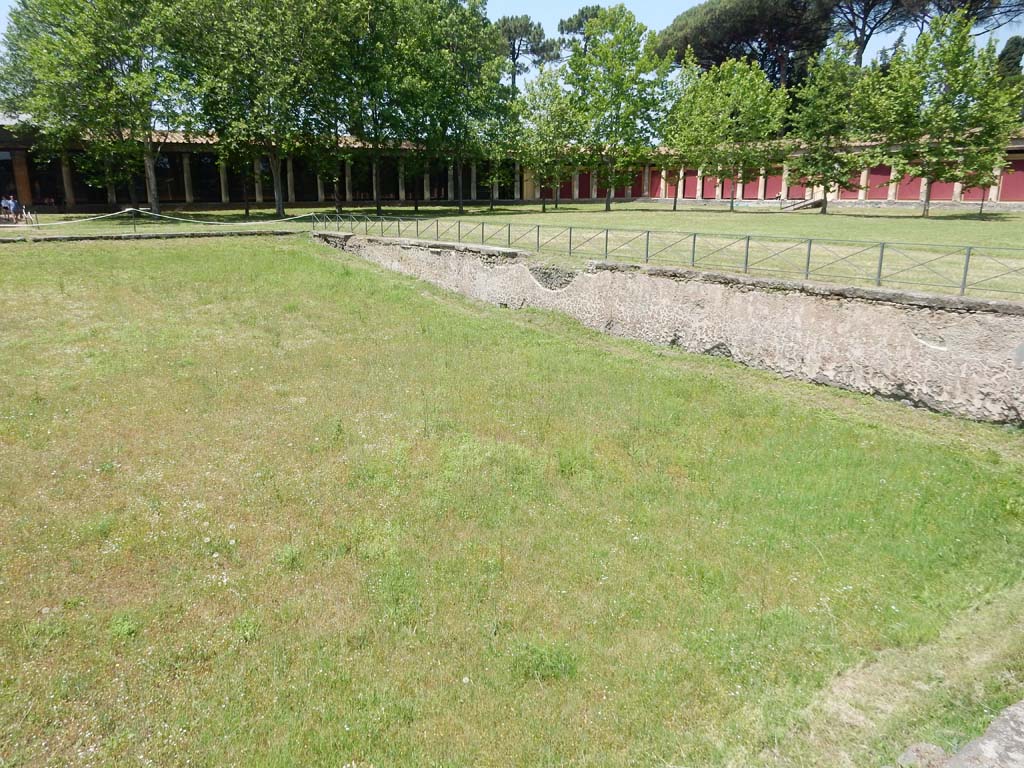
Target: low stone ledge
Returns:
[952, 355]
[148, 236]
[824, 290]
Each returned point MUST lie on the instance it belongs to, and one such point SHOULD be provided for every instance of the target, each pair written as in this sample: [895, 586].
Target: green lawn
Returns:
[264, 504]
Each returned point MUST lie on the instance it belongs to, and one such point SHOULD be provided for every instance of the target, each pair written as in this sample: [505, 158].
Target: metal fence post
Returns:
[570, 241]
[458, 231]
[881, 259]
[693, 251]
[437, 229]
[807, 264]
[482, 238]
[606, 244]
[746, 255]
[509, 235]
[538, 238]
[417, 228]
[967, 266]
[647, 247]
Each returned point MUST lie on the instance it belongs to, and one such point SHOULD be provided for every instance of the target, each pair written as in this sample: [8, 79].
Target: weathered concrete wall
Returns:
[960, 356]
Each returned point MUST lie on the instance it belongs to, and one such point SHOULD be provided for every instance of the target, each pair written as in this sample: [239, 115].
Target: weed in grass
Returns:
[288, 557]
[544, 661]
[246, 628]
[124, 626]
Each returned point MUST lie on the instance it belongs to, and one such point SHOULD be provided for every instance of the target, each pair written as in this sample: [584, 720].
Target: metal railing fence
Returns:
[979, 271]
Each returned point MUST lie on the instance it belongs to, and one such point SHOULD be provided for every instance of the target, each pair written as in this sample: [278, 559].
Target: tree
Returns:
[821, 123]
[782, 36]
[941, 112]
[575, 27]
[619, 86]
[253, 103]
[983, 15]
[94, 73]
[729, 120]
[862, 20]
[527, 44]
[547, 115]
[463, 73]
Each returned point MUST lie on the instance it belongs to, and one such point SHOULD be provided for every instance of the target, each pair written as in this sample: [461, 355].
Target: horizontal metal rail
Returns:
[951, 269]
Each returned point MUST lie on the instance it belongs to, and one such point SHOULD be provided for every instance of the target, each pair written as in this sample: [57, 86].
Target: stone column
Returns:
[451, 183]
[401, 181]
[865, 179]
[348, 181]
[257, 170]
[22, 183]
[993, 191]
[593, 185]
[426, 186]
[472, 181]
[290, 168]
[225, 194]
[785, 182]
[700, 184]
[69, 184]
[720, 188]
[680, 190]
[925, 184]
[762, 185]
[186, 172]
[629, 189]
[516, 190]
[321, 195]
[893, 184]
[664, 184]
[576, 185]
[958, 192]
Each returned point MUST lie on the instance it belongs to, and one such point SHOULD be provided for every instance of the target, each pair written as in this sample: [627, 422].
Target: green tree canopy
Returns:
[94, 73]
[619, 85]
[527, 45]
[941, 111]
[822, 122]
[728, 121]
[782, 36]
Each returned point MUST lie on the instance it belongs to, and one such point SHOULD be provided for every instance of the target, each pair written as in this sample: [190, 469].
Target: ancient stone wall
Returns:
[959, 356]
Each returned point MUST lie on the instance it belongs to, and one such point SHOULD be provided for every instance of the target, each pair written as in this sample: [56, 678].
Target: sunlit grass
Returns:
[262, 506]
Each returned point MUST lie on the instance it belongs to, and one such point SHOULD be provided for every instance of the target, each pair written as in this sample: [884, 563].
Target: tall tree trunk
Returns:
[133, 192]
[675, 197]
[558, 193]
[981, 208]
[149, 160]
[275, 172]
[927, 202]
[732, 195]
[824, 203]
[245, 192]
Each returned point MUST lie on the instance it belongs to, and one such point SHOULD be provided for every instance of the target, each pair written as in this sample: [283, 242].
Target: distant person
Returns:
[17, 210]
[7, 212]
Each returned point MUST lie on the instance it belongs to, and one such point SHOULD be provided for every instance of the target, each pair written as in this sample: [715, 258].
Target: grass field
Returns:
[946, 226]
[264, 504]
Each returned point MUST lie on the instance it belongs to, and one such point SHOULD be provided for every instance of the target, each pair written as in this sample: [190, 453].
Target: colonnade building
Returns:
[189, 172]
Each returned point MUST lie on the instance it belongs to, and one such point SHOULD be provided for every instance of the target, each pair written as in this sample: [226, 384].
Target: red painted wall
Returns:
[909, 189]
[750, 190]
[942, 191]
[638, 184]
[1011, 185]
[974, 195]
[671, 184]
[655, 182]
[726, 189]
[584, 185]
[690, 185]
[708, 191]
[851, 194]
[796, 192]
[878, 182]
[773, 186]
